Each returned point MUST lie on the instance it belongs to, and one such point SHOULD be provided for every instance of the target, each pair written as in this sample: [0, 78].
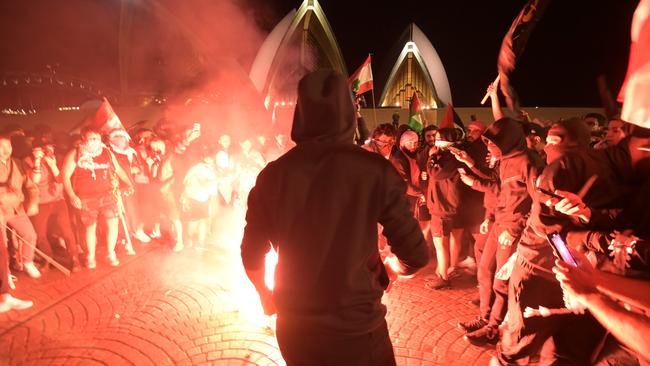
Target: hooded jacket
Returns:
[517, 167]
[318, 206]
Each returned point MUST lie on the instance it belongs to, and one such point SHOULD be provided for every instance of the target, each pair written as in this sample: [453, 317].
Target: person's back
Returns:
[319, 206]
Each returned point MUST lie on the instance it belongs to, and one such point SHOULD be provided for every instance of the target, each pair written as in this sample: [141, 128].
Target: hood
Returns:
[324, 110]
[508, 135]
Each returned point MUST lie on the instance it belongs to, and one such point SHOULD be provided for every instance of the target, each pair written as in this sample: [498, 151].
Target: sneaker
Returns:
[155, 234]
[91, 263]
[12, 303]
[486, 335]
[142, 237]
[437, 283]
[31, 270]
[467, 263]
[473, 325]
[112, 259]
[178, 247]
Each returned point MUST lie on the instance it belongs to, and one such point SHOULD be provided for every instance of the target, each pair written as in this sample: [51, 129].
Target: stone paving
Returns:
[197, 308]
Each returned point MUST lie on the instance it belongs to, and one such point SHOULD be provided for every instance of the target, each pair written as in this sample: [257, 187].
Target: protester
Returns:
[13, 182]
[328, 293]
[89, 173]
[51, 203]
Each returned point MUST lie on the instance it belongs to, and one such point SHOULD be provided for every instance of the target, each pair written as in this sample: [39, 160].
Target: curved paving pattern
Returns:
[196, 308]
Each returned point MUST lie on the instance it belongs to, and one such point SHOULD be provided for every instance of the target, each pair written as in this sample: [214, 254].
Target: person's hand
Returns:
[192, 134]
[50, 160]
[571, 205]
[38, 154]
[485, 227]
[467, 179]
[506, 239]
[424, 175]
[266, 298]
[462, 156]
[578, 283]
[129, 191]
[75, 201]
[492, 90]
[622, 247]
[433, 150]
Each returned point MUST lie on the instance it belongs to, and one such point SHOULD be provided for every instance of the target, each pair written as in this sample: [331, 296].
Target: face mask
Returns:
[93, 145]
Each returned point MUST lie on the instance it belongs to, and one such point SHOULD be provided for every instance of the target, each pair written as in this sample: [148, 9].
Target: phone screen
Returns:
[561, 248]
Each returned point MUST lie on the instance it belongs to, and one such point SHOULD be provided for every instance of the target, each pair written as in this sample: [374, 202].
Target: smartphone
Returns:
[196, 126]
[561, 249]
[548, 193]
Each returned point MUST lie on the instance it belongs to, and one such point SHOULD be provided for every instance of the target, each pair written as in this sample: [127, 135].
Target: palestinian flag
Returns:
[635, 92]
[361, 81]
[451, 119]
[513, 46]
[416, 116]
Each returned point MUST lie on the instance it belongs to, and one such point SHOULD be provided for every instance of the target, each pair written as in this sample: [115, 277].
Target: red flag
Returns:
[513, 46]
[635, 92]
[105, 118]
[361, 81]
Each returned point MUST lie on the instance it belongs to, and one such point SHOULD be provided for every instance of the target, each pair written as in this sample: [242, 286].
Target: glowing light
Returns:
[270, 262]
[283, 103]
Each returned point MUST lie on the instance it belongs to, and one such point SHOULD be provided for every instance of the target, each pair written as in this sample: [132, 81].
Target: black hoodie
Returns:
[517, 167]
[319, 205]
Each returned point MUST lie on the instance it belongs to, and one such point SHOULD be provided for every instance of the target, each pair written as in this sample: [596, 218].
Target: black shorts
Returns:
[442, 226]
[92, 208]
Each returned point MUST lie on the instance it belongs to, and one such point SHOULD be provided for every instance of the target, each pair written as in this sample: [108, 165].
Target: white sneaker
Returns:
[178, 247]
[91, 263]
[112, 259]
[31, 270]
[155, 234]
[467, 263]
[142, 237]
[12, 303]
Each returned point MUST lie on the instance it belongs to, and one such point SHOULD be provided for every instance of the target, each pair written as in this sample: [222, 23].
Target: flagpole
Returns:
[374, 110]
[487, 95]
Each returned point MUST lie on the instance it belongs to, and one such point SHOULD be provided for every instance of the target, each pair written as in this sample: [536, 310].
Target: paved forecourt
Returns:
[197, 308]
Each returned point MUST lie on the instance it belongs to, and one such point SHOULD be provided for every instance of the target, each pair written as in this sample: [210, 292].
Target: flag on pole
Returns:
[361, 81]
[416, 116]
[451, 119]
[513, 46]
[105, 118]
[635, 92]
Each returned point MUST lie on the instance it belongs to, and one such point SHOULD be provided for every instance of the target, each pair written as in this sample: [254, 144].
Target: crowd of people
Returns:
[486, 197]
[64, 199]
[490, 197]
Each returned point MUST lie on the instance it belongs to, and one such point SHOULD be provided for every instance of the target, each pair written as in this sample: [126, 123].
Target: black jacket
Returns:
[319, 205]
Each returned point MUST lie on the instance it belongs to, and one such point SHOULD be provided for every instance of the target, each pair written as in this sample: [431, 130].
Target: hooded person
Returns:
[406, 164]
[318, 205]
[443, 198]
[518, 167]
[572, 167]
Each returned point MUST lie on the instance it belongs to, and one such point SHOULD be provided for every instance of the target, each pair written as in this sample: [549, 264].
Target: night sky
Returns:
[575, 41]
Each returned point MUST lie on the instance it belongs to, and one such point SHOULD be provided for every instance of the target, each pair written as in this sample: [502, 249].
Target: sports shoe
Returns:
[142, 237]
[178, 247]
[91, 263]
[486, 335]
[437, 283]
[473, 325]
[11, 303]
[112, 259]
[31, 270]
[155, 234]
[467, 263]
